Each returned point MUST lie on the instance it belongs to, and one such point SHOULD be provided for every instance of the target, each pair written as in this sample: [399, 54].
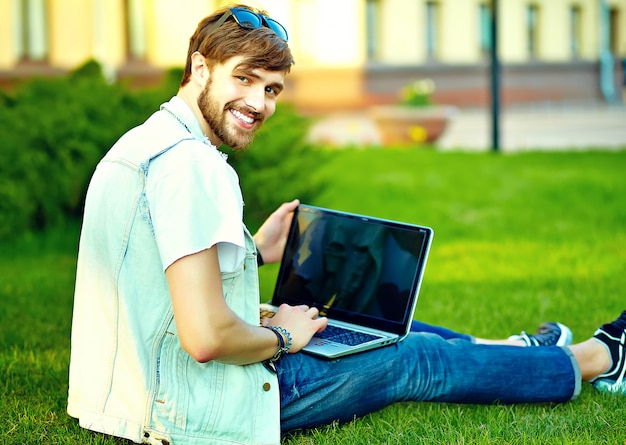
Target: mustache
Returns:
[244, 109]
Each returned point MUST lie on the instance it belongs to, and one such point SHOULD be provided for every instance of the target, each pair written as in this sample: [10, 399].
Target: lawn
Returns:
[519, 239]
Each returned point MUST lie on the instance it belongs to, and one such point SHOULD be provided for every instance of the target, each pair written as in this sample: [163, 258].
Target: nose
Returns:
[255, 99]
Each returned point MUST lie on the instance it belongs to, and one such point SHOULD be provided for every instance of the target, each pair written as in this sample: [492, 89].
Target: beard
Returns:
[215, 116]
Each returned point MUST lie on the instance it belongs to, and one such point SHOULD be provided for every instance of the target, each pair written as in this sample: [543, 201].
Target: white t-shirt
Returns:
[193, 172]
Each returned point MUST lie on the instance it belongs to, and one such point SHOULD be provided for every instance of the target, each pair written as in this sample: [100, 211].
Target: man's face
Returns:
[236, 100]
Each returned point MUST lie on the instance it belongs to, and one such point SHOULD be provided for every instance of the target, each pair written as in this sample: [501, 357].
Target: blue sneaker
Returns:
[550, 333]
[613, 337]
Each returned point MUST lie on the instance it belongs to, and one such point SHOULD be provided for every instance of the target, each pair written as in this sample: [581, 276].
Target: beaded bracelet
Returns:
[281, 334]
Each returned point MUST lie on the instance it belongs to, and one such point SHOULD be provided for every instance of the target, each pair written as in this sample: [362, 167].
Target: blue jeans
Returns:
[423, 367]
[418, 326]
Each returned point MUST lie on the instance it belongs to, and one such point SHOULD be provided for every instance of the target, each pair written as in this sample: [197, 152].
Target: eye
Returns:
[243, 79]
[273, 89]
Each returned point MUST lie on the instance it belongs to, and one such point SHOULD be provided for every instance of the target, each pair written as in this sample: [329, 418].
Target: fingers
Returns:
[288, 207]
[323, 322]
[291, 205]
[313, 312]
[284, 308]
[301, 321]
[319, 323]
[301, 307]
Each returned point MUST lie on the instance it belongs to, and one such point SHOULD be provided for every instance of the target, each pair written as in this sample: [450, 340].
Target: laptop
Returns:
[361, 272]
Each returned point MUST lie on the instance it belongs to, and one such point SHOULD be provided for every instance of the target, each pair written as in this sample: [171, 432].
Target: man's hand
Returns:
[302, 322]
[272, 235]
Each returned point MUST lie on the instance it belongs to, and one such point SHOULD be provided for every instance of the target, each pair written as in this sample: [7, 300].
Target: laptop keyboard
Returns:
[335, 333]
[345, 336]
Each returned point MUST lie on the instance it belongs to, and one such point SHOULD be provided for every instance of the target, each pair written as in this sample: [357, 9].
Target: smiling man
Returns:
[167, 343]
[235, 110]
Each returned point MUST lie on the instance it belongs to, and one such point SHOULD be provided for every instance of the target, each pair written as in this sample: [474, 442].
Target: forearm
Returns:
[209, 330]
[224, 337]
[234, 341]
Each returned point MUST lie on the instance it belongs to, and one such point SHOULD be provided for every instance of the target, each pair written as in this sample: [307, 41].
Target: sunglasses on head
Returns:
[250, 20]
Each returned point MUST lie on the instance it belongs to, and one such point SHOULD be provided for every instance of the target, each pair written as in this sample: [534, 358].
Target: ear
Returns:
[199, 69]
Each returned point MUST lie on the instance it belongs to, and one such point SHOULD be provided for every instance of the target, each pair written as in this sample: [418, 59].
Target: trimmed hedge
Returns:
[55, 130]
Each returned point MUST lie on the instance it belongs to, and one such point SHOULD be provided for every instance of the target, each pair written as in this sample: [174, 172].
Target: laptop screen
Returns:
[353, 268]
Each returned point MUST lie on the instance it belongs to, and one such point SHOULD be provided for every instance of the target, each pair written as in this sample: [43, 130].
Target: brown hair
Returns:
[261, 47]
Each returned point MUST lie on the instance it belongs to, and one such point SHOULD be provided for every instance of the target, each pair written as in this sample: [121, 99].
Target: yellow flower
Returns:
[417, 133]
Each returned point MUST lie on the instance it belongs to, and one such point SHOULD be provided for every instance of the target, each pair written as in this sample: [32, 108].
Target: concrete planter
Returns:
[411, 126]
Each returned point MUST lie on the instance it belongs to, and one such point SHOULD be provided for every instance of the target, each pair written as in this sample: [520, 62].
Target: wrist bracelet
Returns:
[281, 334]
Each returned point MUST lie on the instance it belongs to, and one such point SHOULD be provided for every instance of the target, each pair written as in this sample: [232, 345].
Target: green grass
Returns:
[519, 239]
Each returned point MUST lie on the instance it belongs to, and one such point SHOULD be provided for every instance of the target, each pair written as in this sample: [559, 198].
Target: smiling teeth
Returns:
[242, 117]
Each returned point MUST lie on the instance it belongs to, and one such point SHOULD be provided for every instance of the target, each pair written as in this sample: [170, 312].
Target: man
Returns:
[167, 345]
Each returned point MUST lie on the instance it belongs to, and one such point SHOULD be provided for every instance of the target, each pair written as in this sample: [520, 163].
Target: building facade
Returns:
[349, 53]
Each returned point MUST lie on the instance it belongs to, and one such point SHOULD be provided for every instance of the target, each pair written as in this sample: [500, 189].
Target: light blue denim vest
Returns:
[128, 373]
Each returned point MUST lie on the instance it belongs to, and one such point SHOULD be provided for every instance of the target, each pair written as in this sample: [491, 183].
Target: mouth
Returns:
[246, 120]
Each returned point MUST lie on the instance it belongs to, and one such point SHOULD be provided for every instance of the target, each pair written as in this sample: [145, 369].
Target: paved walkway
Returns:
[537, 127]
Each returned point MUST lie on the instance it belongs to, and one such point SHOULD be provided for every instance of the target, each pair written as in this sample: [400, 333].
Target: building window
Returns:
[574, 31]
[432, 29]
[135, 30]
[484, 28]
[31, 30]
[532, 27]
[613, 29]
[372, 20]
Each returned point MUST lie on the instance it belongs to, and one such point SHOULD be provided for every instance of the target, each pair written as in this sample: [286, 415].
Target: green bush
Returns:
[55, 130]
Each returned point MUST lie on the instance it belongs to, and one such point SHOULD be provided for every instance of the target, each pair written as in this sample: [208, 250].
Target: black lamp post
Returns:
[495, 79]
